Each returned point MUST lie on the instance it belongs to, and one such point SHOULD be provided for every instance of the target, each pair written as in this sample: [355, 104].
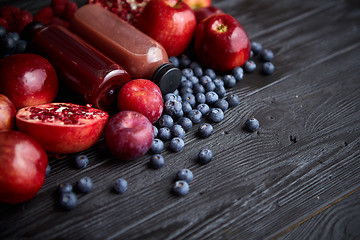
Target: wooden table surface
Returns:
[297, 177]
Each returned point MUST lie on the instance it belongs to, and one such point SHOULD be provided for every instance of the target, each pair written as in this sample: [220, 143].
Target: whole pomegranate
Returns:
[23, 163]
[7, 113]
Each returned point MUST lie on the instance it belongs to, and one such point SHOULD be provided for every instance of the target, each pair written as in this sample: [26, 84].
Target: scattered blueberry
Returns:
[200, 98]
[195, 116]
[194, 79]
[170, 96]
[233, 100]
[203, 108]
[186, 123]
[186, 107]
[205, 156]
[256, 47]
[266, 55]
[190, 98]
[176, 144]
[174, 60]
[81, 161]
[120, 185]
[164, 134]
[268, 68]
[185, 175]
[165, 121]
[181, 188]
[67, 201]
[157, 161]
[157, 146]
[177, 131]
[209, 86]
[205, 130]
[211, 97]
[84, 185]
[252, 124]
[64, 188]
[249, 66]
[220, 91]
[172, 107]
[187, 72]
[216, 115]
[229, 81]
[238, 73]
[186, 84]
[222, 104]
[204, 79]
[210, 72]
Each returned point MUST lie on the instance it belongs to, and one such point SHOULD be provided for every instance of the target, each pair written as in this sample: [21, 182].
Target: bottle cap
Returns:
[167, 77]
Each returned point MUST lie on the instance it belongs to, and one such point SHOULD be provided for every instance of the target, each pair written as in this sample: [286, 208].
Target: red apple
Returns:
[221, 43]
[7, 113]
[196, 4]
[62, 127]
[170, 22]
[22, 167]
[28, 79]
[143, 96]
[128, 135]
[205, 12]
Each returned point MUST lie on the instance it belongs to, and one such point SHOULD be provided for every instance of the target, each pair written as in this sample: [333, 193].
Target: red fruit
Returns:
[128, 135]
[22, 167]
[9, 13]
[170, 22]
[62, 127]
[58, 21]
[221, 43]
[44, 15]
[4, 23]
[59, 6]
[22, 20]
[205, 12]
[28, 79]
[7, 113]
[196, 4]
[143, 96]
[69, 11]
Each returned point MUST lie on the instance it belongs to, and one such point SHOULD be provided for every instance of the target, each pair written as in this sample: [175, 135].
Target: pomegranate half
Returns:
[62, 127]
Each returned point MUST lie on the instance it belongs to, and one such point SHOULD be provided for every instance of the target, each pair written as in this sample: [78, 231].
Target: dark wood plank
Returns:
[304, 158]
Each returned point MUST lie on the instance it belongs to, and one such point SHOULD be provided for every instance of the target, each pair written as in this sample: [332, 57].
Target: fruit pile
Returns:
[201, 44]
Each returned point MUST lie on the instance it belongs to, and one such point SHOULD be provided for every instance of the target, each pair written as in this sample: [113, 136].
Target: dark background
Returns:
[297, 177]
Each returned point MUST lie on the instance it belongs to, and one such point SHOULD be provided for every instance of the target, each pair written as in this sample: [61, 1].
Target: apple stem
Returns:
[178, 3]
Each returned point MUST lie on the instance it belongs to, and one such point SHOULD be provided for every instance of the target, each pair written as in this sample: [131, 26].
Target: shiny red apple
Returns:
[7, 113]
[221, 43]
[28, 79]
[128, 135]
[170, 22]
[22, 167]
[196, 4]
[205, 12]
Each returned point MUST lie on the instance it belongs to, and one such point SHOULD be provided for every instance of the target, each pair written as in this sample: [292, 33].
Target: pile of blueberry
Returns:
[10, 43]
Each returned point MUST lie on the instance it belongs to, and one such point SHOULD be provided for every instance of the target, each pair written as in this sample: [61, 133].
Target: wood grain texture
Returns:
[303, 159]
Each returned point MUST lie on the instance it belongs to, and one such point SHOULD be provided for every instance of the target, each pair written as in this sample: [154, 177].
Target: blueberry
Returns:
[84, 185]
[186, 84]
[7, 46]
[238, 73]
[2, 32]
[68, 201]
[185, 90]
[155, 131]
[187, 72]
[164, 134]
[181, 188]
[249, 66]
[186, 107]
[194, 79]
[190, 98]
[222, 104]
[186, 123]
[200, 98]
[210, 72]
[165, 121]
[184, 61]
[195, 116]
[205, 130]
[81, 161]
[170, 96]
[211, 98]
[177, 131]
[210, 86]
[157, 146]
[205, 156]
[220, 91]
[216, 115]
[233, 100]
[176, 144]
[198, 72]
[229, 81]
[21, 46]
[268, 68]
[203, 108]
[14, 35]
[174, 60]
[266, 55]
[204, 79]
[120, 185]
[256, 47]
[179, 114]
[252, 124]
[157, 161]
[64, 188]
[172, 107]
[194, 65]
[48, 170]
[198, 88]
[185, 175]
[218, 82]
